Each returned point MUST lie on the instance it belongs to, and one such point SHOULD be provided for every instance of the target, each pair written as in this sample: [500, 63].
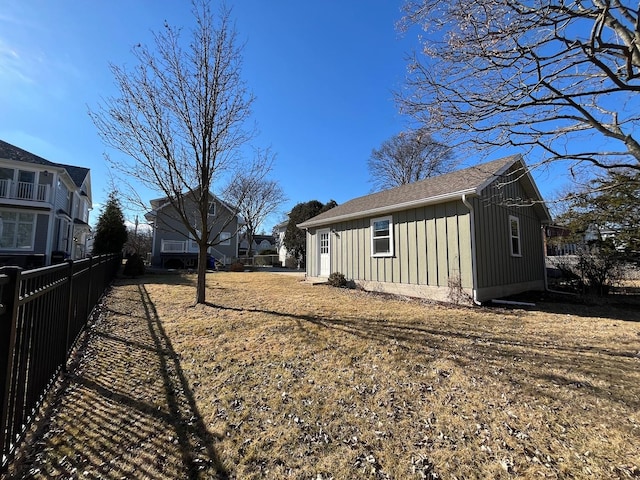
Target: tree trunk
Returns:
[249, 238]
[202, 273]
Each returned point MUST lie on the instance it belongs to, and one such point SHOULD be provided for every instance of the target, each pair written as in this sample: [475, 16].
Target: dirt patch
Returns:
[275, 378]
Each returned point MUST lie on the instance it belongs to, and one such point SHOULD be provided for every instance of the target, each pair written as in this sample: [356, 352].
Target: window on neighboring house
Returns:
[193, 243]
[382, 237]
[225, 238]
[84, 210]
[18, 230]
[264, 245]
[212, 208]
[514, 229]
[6, 173]
[25, 186]
[6, 179]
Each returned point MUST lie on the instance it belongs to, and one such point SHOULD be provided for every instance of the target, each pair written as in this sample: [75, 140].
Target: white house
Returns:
[44, 209]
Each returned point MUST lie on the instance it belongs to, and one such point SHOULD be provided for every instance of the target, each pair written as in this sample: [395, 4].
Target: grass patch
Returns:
[278, 379]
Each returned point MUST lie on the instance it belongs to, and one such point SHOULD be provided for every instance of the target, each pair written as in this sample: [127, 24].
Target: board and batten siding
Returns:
[499, 273]
[432, 245]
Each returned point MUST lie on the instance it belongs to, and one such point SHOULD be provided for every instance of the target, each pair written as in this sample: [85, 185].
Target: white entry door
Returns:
[324, 253]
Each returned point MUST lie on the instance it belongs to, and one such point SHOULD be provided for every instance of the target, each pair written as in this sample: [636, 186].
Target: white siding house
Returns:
[44, 209]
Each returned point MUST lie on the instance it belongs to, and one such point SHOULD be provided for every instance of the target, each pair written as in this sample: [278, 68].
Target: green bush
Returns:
[134, 266]
[337, 279]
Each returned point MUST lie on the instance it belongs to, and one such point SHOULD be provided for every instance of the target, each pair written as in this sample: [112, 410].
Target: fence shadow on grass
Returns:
[125, 409]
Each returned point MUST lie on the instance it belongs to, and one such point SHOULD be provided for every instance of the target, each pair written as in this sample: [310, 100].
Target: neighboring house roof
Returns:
[77, 174]
[11, 152]
[433, 190]
[281, 225]
[160, 203]
[258, 239]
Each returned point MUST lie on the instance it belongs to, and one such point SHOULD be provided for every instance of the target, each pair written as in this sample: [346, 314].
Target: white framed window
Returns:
[514, 233]
[324, 243]
[212, 208]
[382, 237]
[18, 230]
[225, 238]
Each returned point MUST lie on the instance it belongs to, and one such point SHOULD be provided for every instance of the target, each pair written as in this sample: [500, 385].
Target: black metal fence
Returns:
[42, 313]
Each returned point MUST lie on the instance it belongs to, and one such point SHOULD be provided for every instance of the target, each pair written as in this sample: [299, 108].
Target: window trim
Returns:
[389, 253]
[518, 237]
[225, 241]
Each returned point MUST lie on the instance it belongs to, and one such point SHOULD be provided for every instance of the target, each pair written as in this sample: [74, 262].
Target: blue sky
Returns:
[323, 74]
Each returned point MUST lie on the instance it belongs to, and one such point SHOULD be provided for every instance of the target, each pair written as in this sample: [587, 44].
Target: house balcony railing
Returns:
[190, 246]
[177, 246]
[24, 191]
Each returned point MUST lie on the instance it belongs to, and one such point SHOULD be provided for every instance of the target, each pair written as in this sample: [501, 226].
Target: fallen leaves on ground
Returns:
[274, 378]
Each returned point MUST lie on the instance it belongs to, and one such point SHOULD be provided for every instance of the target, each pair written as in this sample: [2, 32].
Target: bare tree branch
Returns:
[534, 75]
[257, 197]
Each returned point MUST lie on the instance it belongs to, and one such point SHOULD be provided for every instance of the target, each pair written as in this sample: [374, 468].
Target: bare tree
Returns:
[256, 196]
[139, 240]
[180, 118]
[408, 157]
[558, 77]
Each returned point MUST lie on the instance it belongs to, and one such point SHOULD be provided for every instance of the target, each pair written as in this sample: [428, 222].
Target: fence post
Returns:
[90, 287]
[9, 283]
[69, 312]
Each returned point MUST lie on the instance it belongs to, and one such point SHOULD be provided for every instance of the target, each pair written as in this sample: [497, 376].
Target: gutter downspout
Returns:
[473, 248]
[544, 258]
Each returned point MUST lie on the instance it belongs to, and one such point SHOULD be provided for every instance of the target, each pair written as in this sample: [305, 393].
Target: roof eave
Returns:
[390, 208]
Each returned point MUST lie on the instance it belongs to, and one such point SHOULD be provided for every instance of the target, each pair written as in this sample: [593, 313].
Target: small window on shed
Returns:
[514, 231]
[382, 237]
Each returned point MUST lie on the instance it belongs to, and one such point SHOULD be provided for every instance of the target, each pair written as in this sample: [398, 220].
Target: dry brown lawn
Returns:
[274, 378]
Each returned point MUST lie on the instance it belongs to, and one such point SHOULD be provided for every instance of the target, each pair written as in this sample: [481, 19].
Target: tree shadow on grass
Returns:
[479, 351]
[189, 425]
[125, 409]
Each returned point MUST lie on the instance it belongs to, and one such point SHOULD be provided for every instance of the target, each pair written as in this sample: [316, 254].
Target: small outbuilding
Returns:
[473, 234]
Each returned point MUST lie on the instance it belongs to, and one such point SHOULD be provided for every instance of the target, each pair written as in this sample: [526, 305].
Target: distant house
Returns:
[259, 244]
[174, 247]
[476, 231]
[561, 241]
[284, 257]
[44, 209]
[558, 241]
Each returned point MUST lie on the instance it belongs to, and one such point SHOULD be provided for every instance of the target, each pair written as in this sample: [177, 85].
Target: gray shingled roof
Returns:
[77, 174]
[11, 152]
[159, 203]
[428, 191]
